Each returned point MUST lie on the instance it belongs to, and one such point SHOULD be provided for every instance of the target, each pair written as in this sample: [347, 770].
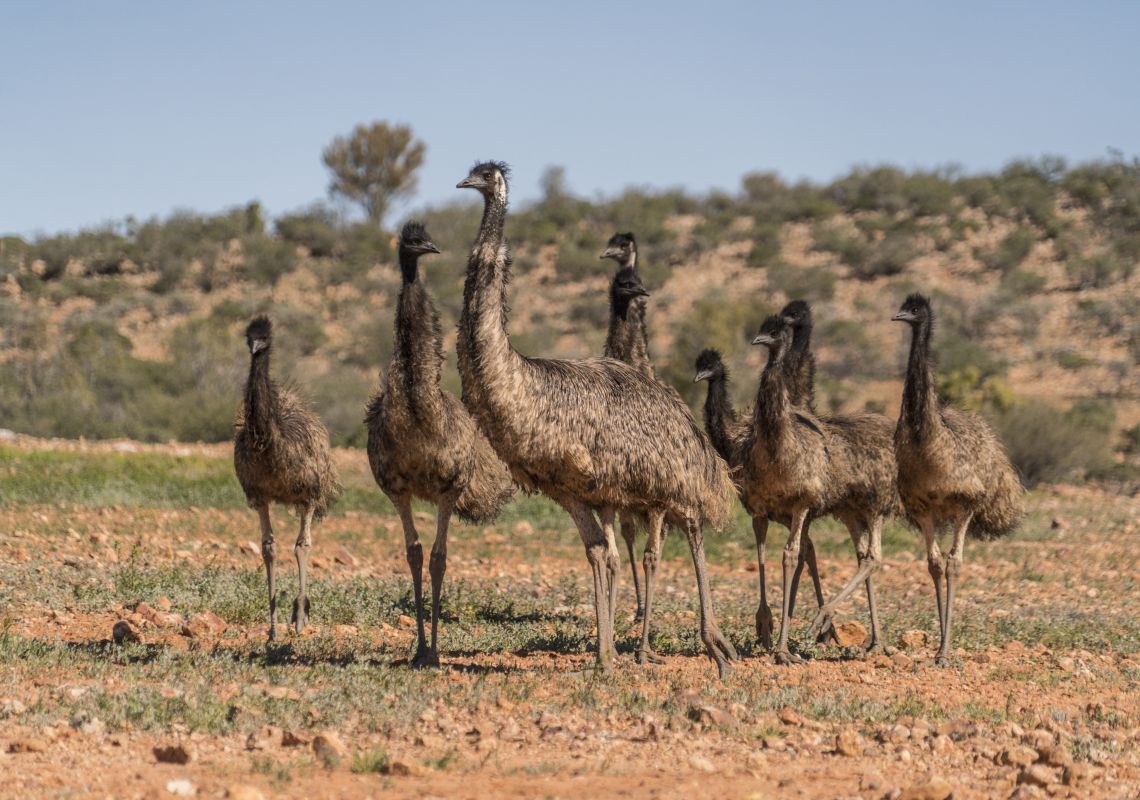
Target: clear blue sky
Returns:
[116, 108]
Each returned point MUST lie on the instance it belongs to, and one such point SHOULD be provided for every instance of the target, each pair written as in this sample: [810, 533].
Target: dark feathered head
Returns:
[773, 331]
[709, 365]
[414, 238]
[914, 310]
[259, 335]
[797, 314]
[627, 285]
[489, 178]
[622, 248]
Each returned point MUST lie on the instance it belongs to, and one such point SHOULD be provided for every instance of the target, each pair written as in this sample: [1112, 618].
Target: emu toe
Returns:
[764, 626]
[299, 617]
[425, 658]
[645, 655]
[787, 657]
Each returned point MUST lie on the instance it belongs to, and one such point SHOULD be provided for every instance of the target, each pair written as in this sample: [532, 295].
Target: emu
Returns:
[798, 466]
[423, 443]
[590, 434]
[953, 471]
[281, 455]
[627, 341]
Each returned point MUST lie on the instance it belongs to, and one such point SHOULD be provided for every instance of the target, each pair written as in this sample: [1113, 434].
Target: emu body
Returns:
[590, 434]
[281, 455]
[423, 443]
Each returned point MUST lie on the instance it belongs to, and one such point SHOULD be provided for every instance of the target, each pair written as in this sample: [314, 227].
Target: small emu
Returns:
[593, 434]
[423, 443]
[798, 466]
[281, 455]
[952, 469]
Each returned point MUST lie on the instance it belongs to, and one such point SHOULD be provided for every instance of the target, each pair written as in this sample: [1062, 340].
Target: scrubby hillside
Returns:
[134, 330]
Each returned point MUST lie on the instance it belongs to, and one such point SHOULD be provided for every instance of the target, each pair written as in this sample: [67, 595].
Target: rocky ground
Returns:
[133, 660]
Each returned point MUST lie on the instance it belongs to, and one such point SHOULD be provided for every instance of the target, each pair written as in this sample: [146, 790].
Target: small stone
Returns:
[179, 753]
[849, 743]
[31, 744]
[346, 558]
[1039, 739]
[93, 727]
[707, 714]
[204, 623]
[1019, 756]
[756, 760]
[942, 744]
[162, 604]
[901, 661]
[701, 764]
[1026, 792]
[123, 632]
[776, 743]
[244, 792]
[895, 734]
[404, 769]
[905, 756]
[934, 789]
[251, 548]
[851, 634]
[329, 747]
[1038, 775]
[870, 782]
[12, 708]
[1076, 774]
[913, 640]
[181, 787]
[406, 621]
[788, 716]
[1067, 663]
[958, 729]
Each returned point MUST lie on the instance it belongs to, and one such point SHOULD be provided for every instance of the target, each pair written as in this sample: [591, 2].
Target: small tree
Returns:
[374, 165]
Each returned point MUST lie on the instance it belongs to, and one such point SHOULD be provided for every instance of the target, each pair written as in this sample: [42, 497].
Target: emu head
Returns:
[775, 334]
[259, 335]
[415, 239]
[709, 366]
[488, 178]
[622, 248]
[627, 285]
[797, 314]
[915, 310]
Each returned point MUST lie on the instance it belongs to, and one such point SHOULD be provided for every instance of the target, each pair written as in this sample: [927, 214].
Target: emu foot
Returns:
[721, 651]
[764, 626]
[822, 629]
[873, 648]
[425, 658]
[786, 657]
[942, 660]
[645, 655]
[299, 616]
[639, 615]
[272, 632]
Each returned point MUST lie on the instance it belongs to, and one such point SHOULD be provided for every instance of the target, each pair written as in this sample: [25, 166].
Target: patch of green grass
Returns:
[372, 761]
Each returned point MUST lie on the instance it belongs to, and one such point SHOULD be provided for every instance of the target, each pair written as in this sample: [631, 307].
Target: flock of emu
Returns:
[612, 444]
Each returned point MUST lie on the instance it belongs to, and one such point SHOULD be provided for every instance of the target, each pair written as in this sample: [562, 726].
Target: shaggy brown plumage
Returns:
[728, 431]
[281, 455]
[591, 434]
[799, 466]
[423, 443]
[953, 470]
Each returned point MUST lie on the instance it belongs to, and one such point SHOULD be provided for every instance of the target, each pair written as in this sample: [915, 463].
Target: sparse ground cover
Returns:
[1041, 701]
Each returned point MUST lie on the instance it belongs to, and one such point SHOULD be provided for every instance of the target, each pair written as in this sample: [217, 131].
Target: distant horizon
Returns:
[133, 109]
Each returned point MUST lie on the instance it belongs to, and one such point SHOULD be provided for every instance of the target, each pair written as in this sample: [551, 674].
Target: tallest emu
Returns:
[593, 434]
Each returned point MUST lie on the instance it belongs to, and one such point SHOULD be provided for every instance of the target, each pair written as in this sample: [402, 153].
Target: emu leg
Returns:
[953, 567]
[763, 612]
[613, 568]
[594, 540]
[301, 551]
[935, 567]
[415, 555]
[791, 557]
[827, 633]
[875, 553]
[654, 537]
[629, 533]
[437, 567]
[267, 553]
[868, 564]
[720, 650]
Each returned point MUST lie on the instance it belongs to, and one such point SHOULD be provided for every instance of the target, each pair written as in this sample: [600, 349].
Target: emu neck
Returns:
[719, 414]
[919, 406]
[773, 409]
[800, 368]
[627, 339]
[484, 349]
[419, 343]
[259, 397]
[409, 265]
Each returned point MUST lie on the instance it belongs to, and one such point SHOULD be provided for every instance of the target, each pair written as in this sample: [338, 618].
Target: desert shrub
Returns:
[955, 352]
[1022, 282]
[266, 260]
[1028, 189]
[850, 351]
[314, 228]
[765, 245]
[929, 194]
[1072, 360]
[814, 284]
[1097, 271]
[890, 256]
[871, 189]
[1047, 444]
[851, 248]
[1008, 254]
[769, 200]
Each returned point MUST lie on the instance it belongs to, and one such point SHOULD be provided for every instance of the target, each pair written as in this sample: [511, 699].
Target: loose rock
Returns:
[699, 762]
[849, 743]
[1020, 756]
[933, 789]
[244, 792]
[913, 640]
[851, 634]
[181, 788]
[204, 623]
[329, 747]
[179, 753]
[788, 716]
[1038, 775]
[31, 744]
[123, 632]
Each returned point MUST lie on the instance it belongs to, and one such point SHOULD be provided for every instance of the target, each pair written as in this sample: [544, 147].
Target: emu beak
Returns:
[610, 252]
[430, 247]
[641, 291]
[470, 182]
[257, 346]
[763, 338]
[903, 316]
[703, 375]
